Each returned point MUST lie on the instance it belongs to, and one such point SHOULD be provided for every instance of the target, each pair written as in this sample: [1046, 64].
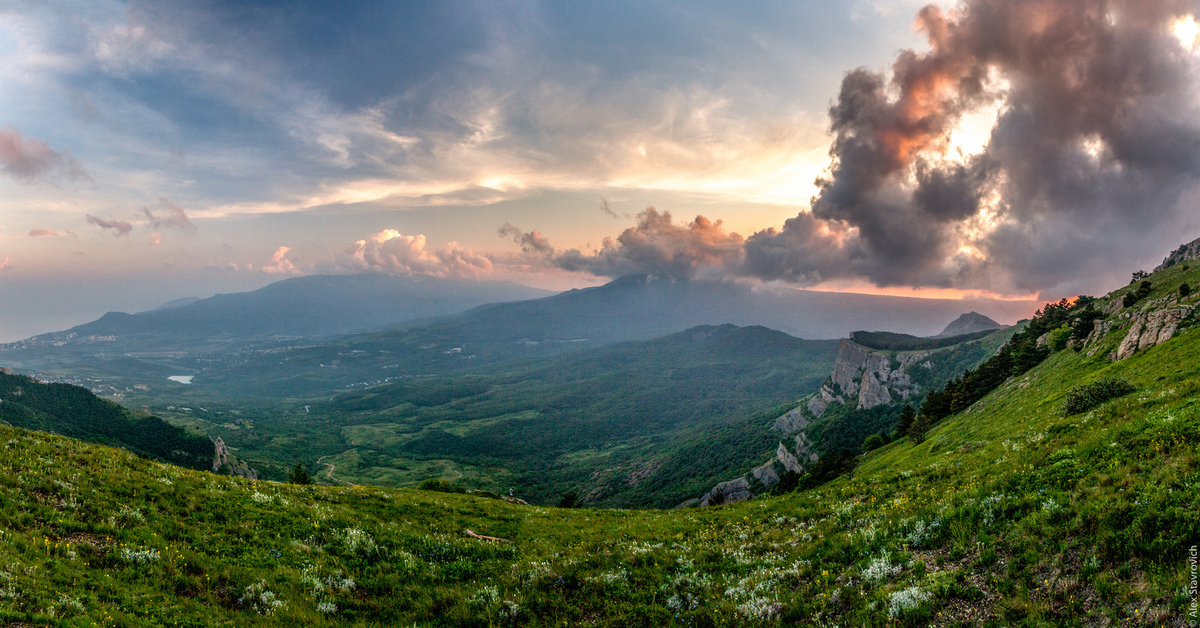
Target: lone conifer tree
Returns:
[299, 475]
[906, 420]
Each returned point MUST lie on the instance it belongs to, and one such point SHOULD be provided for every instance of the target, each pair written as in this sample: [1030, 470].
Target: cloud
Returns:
[30, 159]
[393, 252]
[155, 238]
[5, 265]
[655, 245]
[280, 264]
[121, 227]
[1096, 136]
[173, 217]
[37, 233]
[533, 243]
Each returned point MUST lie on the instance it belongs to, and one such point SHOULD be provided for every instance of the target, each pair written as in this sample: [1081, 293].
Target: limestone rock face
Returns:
[820, 401]
[766, 473]
[867, 378]
[1149, 328]
[730, 492]
[791, 422]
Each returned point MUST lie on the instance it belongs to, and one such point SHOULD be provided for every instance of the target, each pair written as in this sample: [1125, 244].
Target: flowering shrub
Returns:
[906, 600]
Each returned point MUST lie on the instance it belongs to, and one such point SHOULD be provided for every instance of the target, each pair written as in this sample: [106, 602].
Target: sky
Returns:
[1005, 148]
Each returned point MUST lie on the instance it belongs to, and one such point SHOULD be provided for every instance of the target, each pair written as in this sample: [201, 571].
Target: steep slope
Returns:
[874, 376]
[1009, 513]
[75, 412]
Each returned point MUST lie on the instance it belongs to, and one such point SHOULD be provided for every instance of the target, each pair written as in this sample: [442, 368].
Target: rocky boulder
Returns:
[1152, 327]
[727, 493]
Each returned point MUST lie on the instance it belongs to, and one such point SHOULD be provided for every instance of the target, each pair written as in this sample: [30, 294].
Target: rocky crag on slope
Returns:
[863, 378]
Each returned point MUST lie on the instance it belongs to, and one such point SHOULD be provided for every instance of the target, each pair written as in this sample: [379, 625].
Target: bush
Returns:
[440, 486]
[1133, 296]
[874, 441]
[1059, 337]
[1184, 290]
[1088, 396]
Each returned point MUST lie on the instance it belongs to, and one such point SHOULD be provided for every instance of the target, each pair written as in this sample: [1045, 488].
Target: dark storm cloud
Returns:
[1096, 140]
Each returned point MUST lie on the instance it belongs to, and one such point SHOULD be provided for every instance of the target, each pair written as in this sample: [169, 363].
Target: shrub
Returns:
[569, 500]
[441, 486]
[1184, 290]
[1088, 396]
[1133, 296]
[299, 475]
[874, 441]
[1059, 337]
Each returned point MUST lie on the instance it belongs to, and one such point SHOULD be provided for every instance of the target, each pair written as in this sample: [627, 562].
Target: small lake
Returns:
[182, 379]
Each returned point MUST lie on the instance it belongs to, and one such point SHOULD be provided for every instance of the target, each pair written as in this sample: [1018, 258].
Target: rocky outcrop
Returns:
[766, 473]
[866, 378]
[1151, 327]
[817, 403]
[791, 422]
[727, 493]
[1185, 252]
[224, 462]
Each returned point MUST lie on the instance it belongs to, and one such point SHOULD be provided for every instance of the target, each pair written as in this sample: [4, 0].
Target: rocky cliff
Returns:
[1185, 252]
[862, 378]
[866, 378]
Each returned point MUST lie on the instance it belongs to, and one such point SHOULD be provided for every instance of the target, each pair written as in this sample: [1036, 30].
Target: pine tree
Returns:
[299, 475]
[906, 420]
[919, 427]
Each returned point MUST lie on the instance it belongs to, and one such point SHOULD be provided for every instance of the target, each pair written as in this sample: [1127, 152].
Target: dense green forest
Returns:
[76, 412]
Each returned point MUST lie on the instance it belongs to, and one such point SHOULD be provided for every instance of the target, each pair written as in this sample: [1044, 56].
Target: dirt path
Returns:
[329, 471]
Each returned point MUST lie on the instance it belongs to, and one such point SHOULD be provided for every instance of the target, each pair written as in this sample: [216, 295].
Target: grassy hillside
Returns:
[1010, 513]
